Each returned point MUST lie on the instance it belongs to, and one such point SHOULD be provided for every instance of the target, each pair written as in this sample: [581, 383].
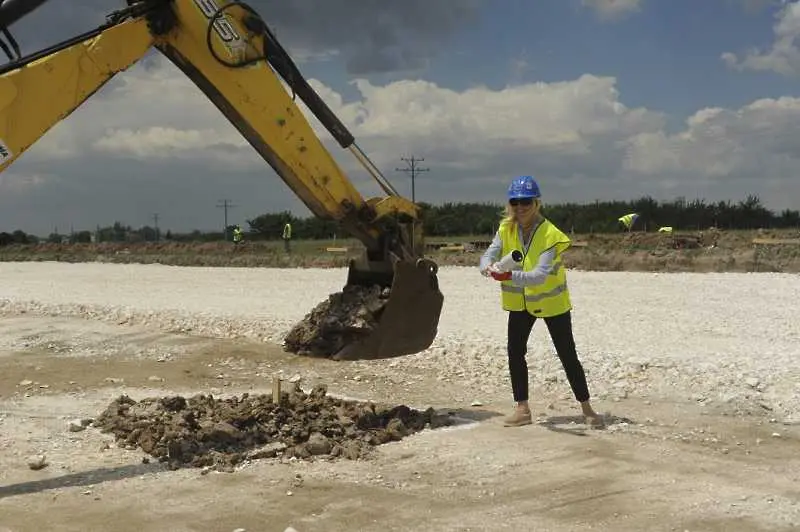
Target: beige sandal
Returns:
[518, 419]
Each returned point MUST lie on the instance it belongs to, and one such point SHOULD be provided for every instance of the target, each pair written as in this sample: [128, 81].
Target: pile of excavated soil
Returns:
[345, 317]
[205, 431]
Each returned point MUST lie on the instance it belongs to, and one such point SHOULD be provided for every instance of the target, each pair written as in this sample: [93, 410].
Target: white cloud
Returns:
[613, 9]
[580, 129]
[479, 123]
[721, 148]
[167, 142]
[784, 55]
[149, 103]
[152, 130]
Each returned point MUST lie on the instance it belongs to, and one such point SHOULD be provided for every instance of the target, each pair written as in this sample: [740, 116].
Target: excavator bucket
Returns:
[409, 320]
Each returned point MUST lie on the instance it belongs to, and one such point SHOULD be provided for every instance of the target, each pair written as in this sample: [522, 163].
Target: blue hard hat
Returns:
[523, 187]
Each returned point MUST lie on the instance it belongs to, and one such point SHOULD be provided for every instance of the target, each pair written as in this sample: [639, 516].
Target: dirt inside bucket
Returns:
[343, 318]
[204, 431]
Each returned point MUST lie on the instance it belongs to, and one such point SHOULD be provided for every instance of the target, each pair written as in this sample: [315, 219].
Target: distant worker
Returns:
[237, 235]
[628, 220]
[538, 289]
[287, 236]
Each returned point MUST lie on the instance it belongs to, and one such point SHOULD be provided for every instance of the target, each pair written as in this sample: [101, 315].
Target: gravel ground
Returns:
[731, 340]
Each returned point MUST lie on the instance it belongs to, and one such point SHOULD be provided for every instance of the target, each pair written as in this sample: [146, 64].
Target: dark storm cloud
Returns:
[371, 36]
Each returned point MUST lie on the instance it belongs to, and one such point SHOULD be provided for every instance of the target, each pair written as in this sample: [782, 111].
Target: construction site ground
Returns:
[660, 464]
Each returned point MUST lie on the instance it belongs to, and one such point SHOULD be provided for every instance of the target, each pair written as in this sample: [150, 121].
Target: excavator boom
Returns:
[235, 60]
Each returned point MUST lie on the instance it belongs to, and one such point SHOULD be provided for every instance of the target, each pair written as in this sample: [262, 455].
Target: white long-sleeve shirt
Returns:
[536, 276]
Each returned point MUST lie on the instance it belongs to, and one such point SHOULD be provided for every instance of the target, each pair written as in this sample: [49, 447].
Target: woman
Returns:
[537, 289]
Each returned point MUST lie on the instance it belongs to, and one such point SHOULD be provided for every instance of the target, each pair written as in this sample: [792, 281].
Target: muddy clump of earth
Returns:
[341, 320]
[204, 431]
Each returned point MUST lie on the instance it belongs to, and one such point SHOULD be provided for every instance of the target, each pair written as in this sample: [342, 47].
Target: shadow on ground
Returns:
[470, 415]
[85, 478]
[577, 426]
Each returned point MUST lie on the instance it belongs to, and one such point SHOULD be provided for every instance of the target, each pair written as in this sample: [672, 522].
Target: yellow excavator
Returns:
[234, 58]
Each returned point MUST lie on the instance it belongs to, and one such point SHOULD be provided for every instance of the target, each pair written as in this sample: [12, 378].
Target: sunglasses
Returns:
[520, 201]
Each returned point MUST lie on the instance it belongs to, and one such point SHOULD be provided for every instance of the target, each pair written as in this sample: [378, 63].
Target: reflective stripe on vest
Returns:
[550, 298]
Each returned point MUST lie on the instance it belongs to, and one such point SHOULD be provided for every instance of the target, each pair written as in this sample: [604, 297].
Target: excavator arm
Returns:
[231, 55]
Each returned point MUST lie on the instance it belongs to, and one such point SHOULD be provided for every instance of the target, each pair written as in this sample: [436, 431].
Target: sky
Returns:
[598, 99]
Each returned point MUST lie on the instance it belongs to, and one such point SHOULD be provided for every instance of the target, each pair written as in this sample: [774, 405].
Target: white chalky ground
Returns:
[709, 336]
[704, 367]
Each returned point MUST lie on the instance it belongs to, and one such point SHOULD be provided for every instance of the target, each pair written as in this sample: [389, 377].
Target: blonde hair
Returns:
[508, 216]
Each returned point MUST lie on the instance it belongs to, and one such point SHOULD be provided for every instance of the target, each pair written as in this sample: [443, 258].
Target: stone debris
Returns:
[78, 425]
[203, 431]
[37, 462]
[345, 317]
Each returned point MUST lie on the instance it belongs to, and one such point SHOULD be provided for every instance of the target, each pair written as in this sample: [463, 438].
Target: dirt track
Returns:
[673, 466]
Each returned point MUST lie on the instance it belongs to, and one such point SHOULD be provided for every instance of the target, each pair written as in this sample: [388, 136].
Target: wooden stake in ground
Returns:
[276, 390]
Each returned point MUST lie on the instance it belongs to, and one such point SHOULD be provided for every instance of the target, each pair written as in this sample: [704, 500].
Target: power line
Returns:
[225, 205]
[155, 221]
[412, 168]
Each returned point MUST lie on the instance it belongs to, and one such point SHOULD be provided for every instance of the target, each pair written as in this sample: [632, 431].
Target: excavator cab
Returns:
[230, 53]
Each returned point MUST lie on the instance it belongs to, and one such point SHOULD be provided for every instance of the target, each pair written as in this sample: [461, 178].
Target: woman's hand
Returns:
[491, 268]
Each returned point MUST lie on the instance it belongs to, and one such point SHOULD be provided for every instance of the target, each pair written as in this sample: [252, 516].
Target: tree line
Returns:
[456, 219]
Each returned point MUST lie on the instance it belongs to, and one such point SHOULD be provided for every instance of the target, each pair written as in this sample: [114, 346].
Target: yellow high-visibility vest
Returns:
[628, 219]
[550, 298]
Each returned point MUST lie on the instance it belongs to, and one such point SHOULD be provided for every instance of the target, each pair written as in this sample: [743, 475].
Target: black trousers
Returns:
[520, 325]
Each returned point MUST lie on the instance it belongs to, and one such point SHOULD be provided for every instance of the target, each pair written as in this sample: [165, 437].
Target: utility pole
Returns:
[155, 221]
[225, 205]
[412, 168]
